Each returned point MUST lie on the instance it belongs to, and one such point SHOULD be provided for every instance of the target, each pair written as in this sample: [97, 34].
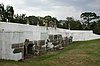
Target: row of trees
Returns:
[6, 14]
[90, 20]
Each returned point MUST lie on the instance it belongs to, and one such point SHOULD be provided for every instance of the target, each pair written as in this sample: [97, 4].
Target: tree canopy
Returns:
[6, 14]
[87, 17]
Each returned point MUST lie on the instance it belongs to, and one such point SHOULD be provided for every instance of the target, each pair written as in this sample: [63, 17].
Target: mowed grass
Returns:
[83, 53]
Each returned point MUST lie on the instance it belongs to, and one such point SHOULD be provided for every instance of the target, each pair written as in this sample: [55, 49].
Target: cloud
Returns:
[6, 2]
[95, 5]
[56, 8]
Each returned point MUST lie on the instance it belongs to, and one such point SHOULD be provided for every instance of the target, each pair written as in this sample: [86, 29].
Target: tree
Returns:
[20, 19]
[6, 13]
[41, 21]
[69, 19]
[2, 12]
[54, 22]
[33, 20]
[9, 13]
[73, 24]
[62, 24]
[92, 25]
[87, 17]
[47, 20]
[50, 21]
[96, 28]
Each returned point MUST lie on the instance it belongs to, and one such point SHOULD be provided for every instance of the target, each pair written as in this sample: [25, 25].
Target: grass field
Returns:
[83, 53]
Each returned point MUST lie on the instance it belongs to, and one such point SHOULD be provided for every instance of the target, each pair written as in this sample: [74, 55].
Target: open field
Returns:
[83, 53]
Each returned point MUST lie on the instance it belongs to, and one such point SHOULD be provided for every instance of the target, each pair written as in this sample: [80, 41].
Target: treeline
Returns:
[90, 21]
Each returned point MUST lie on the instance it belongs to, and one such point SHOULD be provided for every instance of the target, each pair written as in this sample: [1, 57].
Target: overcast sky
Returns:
[56, 8]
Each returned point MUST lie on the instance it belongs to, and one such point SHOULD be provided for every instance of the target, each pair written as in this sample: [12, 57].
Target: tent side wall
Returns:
[9, 38]
[1, 42]
[78, 35]
[83, 35]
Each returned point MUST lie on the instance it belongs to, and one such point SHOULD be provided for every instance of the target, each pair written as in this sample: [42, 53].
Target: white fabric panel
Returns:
[17, 33]
[44, 36]
[1, 42]
[8, 38]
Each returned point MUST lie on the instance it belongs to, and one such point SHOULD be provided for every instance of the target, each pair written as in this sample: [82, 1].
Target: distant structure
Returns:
[19, 40]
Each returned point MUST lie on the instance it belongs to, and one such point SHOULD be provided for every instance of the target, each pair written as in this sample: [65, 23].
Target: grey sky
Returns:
[56, 8]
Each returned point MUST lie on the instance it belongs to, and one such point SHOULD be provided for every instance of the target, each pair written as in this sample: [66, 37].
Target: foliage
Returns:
[73, 24]
[6, 14]
[20, 19]
[9, 13]
[32, 20]
[88, 16]
[51, 21]
[2, 12]
[62, 24]
[96, 28]
[70, 23]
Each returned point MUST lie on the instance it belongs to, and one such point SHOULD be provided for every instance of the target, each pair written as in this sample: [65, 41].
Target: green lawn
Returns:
[83, 53]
